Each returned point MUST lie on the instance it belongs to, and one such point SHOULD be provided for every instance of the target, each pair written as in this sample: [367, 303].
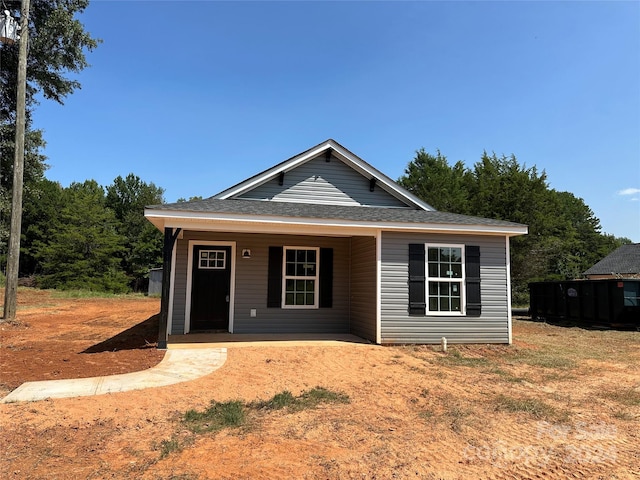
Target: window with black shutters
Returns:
[300, 277]
[444, 279]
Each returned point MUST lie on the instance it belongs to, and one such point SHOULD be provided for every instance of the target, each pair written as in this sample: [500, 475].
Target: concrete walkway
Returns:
[176, 366]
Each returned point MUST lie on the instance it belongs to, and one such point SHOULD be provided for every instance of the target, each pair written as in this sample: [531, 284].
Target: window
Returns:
[300, 277]
[445, 278]
[212, 260]
[631, 294]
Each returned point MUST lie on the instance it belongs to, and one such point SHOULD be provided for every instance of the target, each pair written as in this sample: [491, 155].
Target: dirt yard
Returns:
[559, 403]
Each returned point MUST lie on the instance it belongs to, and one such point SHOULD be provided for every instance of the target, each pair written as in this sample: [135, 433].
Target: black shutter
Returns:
[472, 266]
[326, 278]
[274, 289]
[417, 290]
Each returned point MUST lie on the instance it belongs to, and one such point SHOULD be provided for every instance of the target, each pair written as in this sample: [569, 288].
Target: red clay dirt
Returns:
[481, 411]
[74, 338]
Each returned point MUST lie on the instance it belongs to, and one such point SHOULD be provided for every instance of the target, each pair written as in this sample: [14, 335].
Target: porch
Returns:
[345, 298]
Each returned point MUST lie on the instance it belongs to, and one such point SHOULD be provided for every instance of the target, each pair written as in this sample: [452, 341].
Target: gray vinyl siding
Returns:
[363, 287]
[328, 183]
[397, 326]
[251, 277]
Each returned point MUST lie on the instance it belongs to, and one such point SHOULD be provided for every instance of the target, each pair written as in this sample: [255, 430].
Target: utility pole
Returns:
[13, 257]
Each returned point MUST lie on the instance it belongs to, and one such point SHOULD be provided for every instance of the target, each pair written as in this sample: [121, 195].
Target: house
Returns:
[325, 243]
[624, 262]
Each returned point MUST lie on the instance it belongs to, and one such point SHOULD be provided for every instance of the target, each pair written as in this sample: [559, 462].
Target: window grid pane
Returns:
[445, 262]
[301, 263]
[445, 296]
[300, 292]
[212, 260]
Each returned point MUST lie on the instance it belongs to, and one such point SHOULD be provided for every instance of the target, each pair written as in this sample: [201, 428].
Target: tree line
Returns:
[86, 236]
[565, 238]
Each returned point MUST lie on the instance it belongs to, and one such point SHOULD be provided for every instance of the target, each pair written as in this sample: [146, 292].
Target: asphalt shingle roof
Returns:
[328, 212]
[623, 260]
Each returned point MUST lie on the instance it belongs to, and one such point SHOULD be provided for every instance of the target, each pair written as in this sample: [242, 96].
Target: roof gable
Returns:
[336, 184]
[323, 182]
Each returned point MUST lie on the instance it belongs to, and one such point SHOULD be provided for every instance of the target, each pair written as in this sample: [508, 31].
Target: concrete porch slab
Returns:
[226, 340]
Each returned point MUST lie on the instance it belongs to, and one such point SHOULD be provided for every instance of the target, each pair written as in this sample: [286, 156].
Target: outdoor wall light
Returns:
[246, 253]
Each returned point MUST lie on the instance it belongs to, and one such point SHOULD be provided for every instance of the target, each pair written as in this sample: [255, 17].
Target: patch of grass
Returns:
[558, 376]
[532, 406]
[456, 415]
[418, 370]
[318, 395]
[623, 415]
[166, 447]
[454, 357]
[93, 294]
[545, 358]
[580, 344]
[234, 414]
[506, 376]
[427, 415]
[308, 399]
[277, 402]
[454, 412]
[625, 396]
[219, 415]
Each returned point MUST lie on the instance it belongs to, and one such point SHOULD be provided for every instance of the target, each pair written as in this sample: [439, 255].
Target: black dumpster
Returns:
[610, 302]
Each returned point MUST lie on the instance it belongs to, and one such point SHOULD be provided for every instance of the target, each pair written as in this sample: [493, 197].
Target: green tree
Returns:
[191, 199]
[42, 207]
[127, 197]
[430, 178]
[85, 247]
[501, 188]
[57, 46]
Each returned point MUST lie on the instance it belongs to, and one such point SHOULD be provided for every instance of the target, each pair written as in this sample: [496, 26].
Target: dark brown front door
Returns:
[210, 287]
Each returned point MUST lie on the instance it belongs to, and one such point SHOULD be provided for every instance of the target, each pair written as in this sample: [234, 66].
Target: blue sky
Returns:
[197, 96]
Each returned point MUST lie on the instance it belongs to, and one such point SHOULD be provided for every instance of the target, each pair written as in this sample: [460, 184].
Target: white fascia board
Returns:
[388, 184]
[229, 222]
[272, 172]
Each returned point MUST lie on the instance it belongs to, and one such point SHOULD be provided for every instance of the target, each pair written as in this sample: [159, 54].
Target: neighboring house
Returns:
[624, 262]
[325, 243]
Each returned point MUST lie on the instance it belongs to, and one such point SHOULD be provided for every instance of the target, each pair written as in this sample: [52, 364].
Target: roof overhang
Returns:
[274, 224]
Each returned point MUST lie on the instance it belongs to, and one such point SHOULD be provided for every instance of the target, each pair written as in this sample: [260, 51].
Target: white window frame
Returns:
[460, 280]
[285, 277]
[213, 267]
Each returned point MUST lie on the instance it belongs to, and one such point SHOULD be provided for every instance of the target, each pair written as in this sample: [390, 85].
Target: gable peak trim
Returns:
[331, 150]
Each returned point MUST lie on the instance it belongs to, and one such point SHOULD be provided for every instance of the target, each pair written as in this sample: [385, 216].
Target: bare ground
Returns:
[559, 403]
